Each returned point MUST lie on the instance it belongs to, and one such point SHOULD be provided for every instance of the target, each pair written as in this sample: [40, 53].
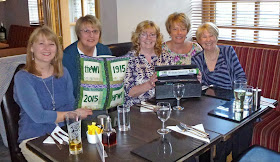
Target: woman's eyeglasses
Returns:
[86, 31]
[145, 35]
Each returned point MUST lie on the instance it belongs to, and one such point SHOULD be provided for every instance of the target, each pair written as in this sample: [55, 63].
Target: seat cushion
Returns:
[260, 154]
[267, 132]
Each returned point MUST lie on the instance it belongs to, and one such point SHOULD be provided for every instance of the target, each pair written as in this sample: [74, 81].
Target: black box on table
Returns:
[171, 74]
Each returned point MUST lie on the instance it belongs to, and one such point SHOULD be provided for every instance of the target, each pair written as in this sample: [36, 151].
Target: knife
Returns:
[55, 141]
[63, 134]
[63, 142]
[193, 129]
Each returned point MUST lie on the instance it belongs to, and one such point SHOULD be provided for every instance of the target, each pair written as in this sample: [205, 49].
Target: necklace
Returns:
[212, 59]
[52, 95]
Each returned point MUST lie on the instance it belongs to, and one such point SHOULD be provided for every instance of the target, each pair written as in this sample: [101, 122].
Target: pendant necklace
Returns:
[52, 95]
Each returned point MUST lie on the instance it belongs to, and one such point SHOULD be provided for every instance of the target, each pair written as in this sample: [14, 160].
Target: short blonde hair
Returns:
[139, 29]
[177, 18]
[56, 62]
[88, 19]
[207, 26]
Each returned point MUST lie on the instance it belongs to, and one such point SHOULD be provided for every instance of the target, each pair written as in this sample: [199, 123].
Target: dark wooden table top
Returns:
[144, 131]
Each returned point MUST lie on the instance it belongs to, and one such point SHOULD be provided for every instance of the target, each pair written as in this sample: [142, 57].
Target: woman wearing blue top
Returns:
[43, 89]
[88, 31]
[218, 64]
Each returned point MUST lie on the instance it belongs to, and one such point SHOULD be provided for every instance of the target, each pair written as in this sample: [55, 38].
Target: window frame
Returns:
[208, 8]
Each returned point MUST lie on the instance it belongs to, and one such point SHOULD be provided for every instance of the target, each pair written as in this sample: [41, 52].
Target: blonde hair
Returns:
[88, 19]
[207, 26]
[177, 18]
[139, 29]
[56, 62]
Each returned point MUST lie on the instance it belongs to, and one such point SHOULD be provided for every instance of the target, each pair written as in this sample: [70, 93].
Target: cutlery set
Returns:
[56, 142]
[186, 128]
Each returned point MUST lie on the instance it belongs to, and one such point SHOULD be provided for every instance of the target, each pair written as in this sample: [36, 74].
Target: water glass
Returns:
[239, 93]
[163, 113]
[123, 118]
[178, 92]
[248, 97]
[73, 121]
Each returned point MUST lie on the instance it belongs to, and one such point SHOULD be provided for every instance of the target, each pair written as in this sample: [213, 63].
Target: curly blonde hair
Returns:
[139, 29]
[57, 60]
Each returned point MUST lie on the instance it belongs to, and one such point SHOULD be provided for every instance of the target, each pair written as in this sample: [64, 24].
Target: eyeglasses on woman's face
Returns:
[146, 35]
[88, 32]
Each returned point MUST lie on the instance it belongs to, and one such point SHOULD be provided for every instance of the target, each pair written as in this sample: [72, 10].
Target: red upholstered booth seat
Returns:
[262, 68]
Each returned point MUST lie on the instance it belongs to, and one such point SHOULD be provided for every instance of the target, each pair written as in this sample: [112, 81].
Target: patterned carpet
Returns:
[4, 152]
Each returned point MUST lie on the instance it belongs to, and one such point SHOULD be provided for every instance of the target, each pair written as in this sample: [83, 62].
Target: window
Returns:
[35, 12]
[251, 21]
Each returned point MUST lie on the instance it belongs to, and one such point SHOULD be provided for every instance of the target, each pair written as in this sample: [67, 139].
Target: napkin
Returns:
[267, 102]
[188, 133]
[147, 107]
[49, 140]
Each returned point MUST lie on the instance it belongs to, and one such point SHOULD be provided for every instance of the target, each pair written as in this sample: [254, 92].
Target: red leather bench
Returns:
[262, 68]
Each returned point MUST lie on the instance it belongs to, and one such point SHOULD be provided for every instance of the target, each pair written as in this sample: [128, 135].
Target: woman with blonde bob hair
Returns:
[218, 64]
[88, 31]
[43, 89]
[178, 50]
[140, 77]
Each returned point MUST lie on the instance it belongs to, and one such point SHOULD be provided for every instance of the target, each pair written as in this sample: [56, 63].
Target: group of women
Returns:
[47, 87]
[218, 64]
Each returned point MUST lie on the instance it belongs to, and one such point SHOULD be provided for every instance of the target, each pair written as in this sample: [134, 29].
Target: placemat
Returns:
[171, 147]
[228, 112]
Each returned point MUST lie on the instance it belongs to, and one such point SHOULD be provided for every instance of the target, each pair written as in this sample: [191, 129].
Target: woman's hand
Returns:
[199, 76]
[84, 112]
[153, 79]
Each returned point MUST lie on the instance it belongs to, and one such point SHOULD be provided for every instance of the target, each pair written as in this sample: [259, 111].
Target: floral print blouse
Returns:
[180, 59]
[138, 72]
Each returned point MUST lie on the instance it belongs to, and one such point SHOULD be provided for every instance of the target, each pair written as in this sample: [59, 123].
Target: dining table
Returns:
[143, 143]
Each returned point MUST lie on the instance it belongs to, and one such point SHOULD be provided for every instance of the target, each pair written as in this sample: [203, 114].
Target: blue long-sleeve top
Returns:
[37, 116]
[227, 68]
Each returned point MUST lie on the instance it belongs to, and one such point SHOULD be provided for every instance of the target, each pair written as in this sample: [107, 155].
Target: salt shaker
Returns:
[256, 98]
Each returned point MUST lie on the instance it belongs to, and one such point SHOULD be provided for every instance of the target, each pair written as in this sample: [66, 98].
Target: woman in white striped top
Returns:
[218, 64]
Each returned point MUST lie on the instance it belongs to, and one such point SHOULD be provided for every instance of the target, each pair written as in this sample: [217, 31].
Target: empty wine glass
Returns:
[163, 113]
[178, 91]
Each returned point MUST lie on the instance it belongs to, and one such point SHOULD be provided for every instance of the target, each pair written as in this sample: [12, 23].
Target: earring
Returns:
[32, 56]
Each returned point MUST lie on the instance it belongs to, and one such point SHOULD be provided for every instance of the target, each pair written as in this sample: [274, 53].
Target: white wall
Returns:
[129, 13]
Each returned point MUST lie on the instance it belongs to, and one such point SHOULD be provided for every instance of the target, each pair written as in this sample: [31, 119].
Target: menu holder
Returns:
[228, 112]
[170, 147]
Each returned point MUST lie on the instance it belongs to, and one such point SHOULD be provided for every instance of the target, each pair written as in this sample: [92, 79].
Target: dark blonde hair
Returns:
[177, 18]
[56, 62]
[139, 29]
[88, 19]
[207, 26]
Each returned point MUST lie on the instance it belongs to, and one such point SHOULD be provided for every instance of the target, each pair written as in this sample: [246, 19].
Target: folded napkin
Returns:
[189, 132]
[49, 140]
[267, 102]
[147, 107]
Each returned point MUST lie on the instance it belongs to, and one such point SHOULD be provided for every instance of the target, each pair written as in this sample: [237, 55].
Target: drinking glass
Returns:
[178, 91]
[163, 113]
[73, 121]
[239, 93]
[248, 97]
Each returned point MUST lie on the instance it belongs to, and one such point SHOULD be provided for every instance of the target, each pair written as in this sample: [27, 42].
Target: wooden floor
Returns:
[4, 152]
